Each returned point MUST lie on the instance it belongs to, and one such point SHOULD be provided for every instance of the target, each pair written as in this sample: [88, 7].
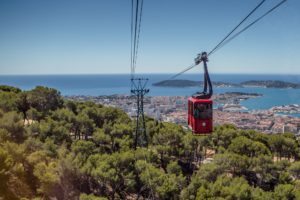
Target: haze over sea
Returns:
[95, 85]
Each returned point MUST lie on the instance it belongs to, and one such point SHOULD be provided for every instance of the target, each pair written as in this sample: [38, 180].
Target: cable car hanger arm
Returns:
[206, 82]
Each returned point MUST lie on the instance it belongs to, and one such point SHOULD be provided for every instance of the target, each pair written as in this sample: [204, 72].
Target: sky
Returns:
[93, 36]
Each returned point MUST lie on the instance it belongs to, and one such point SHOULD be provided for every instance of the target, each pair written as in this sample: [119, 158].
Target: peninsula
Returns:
[271, 84]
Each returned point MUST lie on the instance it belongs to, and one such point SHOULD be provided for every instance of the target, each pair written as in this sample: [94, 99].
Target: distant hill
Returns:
[242, 94]
[177, 83]
[251, 83]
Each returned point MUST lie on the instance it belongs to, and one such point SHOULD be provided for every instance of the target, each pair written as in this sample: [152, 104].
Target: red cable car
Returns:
[200, 119]
[200, 106]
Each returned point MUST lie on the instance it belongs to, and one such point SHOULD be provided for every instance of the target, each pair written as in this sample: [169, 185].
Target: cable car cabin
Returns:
[200, 116]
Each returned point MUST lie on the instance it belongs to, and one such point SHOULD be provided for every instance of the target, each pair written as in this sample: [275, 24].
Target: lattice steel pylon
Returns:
[138, 88]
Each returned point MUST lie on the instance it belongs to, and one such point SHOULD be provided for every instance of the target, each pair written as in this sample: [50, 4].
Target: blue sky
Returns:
[93, 36]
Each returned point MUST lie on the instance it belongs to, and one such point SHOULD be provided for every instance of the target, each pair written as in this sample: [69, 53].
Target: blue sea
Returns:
[95, 85]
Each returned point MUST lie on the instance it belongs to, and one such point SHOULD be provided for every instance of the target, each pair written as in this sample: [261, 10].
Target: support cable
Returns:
[135, 34]
[236, 27]
[220, 45]
[138, 33]
[131, 53]
[248, 26]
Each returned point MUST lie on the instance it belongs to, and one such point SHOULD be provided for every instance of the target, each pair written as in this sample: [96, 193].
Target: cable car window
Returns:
[190, 108]
[202, 111]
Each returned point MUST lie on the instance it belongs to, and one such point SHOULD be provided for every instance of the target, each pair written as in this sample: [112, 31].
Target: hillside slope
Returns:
[53, 148]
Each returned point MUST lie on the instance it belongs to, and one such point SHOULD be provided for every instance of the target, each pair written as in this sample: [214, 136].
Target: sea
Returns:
[110, 84]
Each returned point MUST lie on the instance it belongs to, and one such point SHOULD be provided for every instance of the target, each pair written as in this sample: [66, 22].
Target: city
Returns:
[227, 111]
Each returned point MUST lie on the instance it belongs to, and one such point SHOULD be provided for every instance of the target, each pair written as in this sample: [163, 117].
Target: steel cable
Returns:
[224, 42]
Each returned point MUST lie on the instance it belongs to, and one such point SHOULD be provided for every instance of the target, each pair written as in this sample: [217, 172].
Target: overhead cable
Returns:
[226, 41]
[236, 27]
[248, 26]
[136, 20]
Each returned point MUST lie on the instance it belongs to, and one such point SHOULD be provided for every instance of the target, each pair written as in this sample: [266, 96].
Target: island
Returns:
[189, 83]
[252, 83]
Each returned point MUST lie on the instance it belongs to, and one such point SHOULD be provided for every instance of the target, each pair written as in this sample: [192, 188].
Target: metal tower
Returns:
[138, 88]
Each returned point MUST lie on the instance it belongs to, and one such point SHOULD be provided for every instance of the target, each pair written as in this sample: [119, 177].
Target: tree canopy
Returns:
[52, 148]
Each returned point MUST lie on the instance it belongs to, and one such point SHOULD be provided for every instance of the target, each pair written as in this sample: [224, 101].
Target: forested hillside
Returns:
[51, 148]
